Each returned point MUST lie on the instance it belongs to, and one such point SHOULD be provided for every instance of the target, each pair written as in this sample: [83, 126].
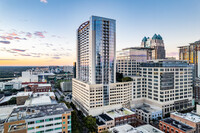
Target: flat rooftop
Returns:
[39, 100]
[148, 108]
[36, 111]
[188, 116]
[177, 124]
[102, 118]
[120, 112]
[124, 129]
[5, 112]
[148, 129]
[24, 93]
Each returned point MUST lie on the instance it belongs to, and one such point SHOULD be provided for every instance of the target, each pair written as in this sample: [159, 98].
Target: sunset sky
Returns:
[43, 32]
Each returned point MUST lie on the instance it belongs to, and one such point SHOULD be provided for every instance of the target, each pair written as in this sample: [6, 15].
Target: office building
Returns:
[39, 118]
[169, 125]
[157, 43]
[129, 59]
[167, 84]
[191, 53]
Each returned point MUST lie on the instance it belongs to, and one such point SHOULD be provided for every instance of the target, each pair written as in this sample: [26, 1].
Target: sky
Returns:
[43, 32]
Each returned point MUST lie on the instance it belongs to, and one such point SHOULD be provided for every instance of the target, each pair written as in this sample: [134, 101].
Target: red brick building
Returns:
[170, 125]
[38, 88]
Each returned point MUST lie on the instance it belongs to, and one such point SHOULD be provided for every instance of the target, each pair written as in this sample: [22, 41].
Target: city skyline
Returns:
[43, 32]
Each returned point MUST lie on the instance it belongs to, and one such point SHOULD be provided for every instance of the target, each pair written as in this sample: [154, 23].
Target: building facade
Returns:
[191, 53]
[190, 119]
[96, 67]
[53, 118]
[129, 59]
[157, 43]
[167, 84]
[169, 125]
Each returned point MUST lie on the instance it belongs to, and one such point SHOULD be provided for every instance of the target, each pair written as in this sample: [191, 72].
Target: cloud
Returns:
[5, 42]
[55, 57]
[28, 34]
[8, 59]
[39, 34]
[18, 50]
[25, 54]
[43, 1]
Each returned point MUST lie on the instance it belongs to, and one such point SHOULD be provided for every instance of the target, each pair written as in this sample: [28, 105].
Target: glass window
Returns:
[39, 121]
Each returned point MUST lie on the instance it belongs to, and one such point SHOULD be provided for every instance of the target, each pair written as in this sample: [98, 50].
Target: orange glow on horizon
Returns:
[37, 62]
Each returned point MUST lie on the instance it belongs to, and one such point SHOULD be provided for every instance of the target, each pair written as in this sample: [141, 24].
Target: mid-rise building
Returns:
[129, 59]
[157, 43]
[54, 118]
[167, 84]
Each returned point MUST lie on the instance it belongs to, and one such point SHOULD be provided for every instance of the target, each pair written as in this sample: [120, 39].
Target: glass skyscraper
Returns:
[96, 51]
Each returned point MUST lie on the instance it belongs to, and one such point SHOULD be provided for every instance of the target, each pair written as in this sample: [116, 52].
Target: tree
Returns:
[90, 123]
[12, 101]
[126, 79]
[61, 98]
[119, 77]
[76, 127]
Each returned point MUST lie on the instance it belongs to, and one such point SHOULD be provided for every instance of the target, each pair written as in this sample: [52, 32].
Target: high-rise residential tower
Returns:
[96, 67]
[157, 43]
[96, 51]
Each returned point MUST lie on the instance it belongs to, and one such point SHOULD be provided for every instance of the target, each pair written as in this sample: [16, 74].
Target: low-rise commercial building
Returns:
[190, 119]
[169, 125]
[123, 116]
[39, 118]
[104, 122]
[130, 129]
[38, 88]
[146, 113]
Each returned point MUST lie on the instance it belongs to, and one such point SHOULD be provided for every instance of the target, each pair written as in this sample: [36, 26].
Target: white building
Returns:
[129, 59]
[68, 69]
[10, 85]
[168, 84]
